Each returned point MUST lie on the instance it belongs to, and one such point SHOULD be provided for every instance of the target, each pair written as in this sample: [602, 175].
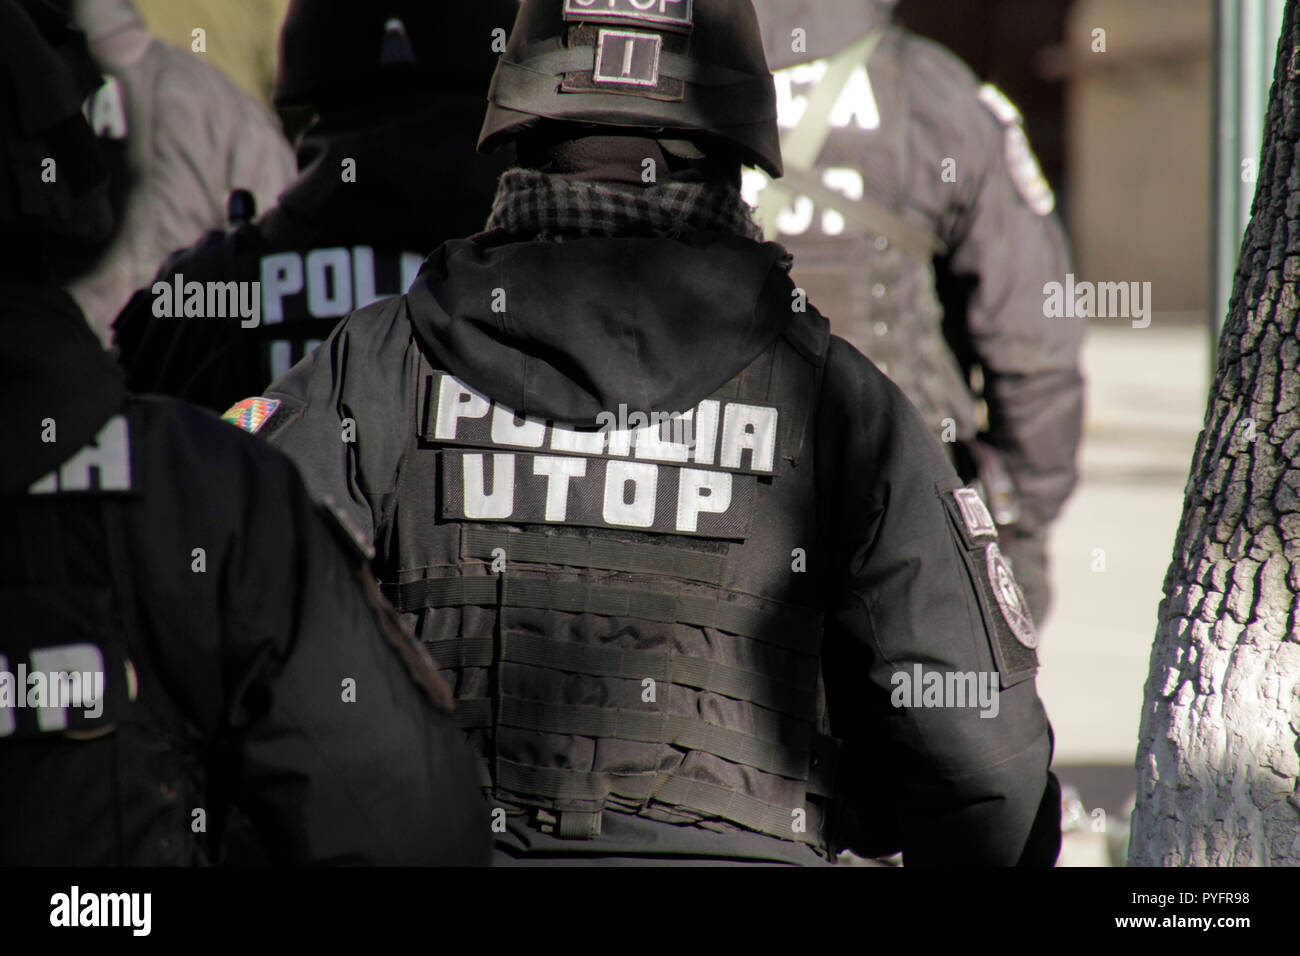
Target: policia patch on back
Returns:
[1006, 613]
[689, 474]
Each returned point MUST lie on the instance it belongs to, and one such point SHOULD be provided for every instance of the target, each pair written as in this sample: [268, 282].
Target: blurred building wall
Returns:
[1138, 147]
[241, 35]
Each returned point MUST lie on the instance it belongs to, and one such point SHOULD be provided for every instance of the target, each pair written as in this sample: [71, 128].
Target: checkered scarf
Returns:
[531, 203]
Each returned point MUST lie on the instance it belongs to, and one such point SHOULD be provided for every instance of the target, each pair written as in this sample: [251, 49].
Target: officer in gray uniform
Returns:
[704, 584]
[922, 226]
[184, 630]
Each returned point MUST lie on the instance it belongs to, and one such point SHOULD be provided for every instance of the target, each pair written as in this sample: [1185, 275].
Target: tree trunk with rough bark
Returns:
[1218, 767]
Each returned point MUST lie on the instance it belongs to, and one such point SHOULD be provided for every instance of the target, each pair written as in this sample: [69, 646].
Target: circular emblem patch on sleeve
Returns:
[1015, 610]
[1021, 161]
[251, 414]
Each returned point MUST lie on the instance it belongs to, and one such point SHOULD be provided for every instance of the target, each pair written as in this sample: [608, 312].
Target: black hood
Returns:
[589, 324]
[51, 366]
[418, 178]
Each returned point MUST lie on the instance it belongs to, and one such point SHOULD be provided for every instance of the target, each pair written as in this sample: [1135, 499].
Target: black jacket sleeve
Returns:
[1006, 243]
[336, 722]
[943, 784]
[338, 408]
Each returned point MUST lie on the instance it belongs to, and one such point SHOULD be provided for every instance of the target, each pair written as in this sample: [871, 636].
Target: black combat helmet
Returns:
[351, 50]
[694, 66]
[827, 26]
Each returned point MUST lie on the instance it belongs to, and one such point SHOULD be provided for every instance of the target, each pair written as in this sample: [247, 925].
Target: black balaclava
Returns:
[611, 157]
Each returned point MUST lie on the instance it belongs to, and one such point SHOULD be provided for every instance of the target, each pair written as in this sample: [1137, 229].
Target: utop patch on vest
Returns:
[692, 474]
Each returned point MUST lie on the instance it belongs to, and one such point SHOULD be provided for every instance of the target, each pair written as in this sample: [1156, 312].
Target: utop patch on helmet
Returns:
[694, 66]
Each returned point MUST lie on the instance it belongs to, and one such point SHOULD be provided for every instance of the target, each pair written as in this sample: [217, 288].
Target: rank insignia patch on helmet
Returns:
[626, 57]
[251, 414]
[1015, 609]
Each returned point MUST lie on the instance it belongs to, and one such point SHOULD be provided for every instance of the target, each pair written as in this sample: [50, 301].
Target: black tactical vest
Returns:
[878, 296]
[99, 777]
[631, 618]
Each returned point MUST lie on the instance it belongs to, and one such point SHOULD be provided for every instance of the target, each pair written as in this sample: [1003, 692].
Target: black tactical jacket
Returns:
[378, 188]
[245, 657]
[839, 546]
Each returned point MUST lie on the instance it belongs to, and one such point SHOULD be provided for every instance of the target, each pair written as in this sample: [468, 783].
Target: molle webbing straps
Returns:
[600, 553]
[794, 694]
[698, 796]
[778, 756]
[783, 626]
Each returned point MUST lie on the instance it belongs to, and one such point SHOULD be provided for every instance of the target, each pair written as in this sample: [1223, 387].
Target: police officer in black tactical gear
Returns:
[922, 226]
[705, 586]
[183, 630]
[387, 172]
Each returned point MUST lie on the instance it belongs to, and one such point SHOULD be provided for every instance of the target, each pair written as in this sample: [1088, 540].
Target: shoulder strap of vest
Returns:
[802, 145]
[808, 337]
